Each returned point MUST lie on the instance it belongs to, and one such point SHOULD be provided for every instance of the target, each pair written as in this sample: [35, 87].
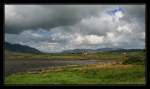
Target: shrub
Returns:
[134, 59]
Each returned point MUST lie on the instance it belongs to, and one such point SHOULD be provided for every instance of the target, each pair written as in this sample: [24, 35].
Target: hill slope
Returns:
[20, 48]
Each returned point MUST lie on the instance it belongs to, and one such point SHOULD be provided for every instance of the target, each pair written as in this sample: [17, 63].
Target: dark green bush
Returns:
[135, 59]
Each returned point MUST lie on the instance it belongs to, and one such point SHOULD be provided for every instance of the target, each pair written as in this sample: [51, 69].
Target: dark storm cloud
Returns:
[61, 27]
[23, 17]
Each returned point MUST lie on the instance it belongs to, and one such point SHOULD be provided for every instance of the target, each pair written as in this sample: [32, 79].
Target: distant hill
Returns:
[109, 49]
[100, 50]
[20, 48]
[77, 51]
[27, 49]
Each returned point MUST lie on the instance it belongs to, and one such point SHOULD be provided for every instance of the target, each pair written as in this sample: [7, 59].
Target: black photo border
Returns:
[82, 2]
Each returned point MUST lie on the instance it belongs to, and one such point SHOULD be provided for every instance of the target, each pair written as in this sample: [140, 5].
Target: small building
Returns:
[85, 53]
[124, 53]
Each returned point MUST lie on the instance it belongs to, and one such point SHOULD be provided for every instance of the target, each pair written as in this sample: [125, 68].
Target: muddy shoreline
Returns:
[15, 66]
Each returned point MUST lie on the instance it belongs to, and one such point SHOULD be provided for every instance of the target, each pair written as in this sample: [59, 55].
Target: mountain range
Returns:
[27, 49]
[74, 51]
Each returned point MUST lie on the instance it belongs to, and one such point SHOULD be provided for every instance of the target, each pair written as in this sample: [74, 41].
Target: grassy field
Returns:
[99, 56]
[129, 72]
[90, 74]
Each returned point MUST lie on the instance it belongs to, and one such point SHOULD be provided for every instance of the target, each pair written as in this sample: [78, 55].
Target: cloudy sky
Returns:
[53, 28]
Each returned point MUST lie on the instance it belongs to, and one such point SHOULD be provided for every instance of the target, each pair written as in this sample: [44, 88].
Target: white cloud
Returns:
[92, 31]
[124, 29]
[93, 39]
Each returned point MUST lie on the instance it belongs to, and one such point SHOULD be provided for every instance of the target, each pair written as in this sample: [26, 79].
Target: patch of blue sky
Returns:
[118, 9]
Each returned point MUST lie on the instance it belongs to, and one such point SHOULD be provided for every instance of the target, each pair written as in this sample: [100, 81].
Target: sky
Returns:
[54, 28]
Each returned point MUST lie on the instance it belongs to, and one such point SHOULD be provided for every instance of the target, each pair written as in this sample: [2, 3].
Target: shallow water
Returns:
[14, 66]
